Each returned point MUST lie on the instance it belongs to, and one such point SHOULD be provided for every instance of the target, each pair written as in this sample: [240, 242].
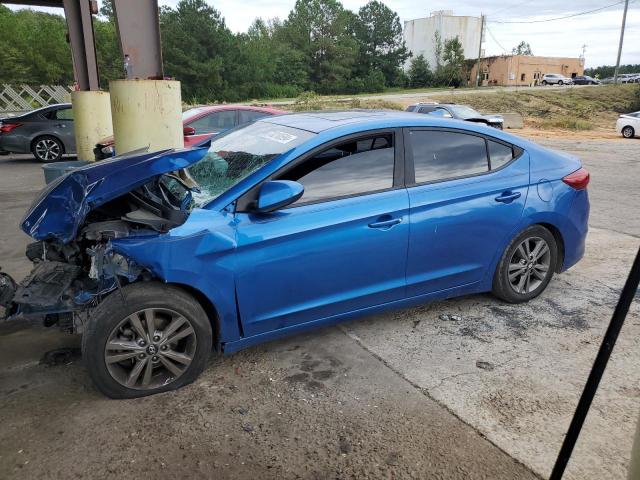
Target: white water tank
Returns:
[419, 34]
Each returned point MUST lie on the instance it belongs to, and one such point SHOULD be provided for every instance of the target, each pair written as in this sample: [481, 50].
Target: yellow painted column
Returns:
[146, 113]
[92, 121]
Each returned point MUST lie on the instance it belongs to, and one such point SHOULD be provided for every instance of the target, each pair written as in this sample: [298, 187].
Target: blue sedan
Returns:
[290, 223]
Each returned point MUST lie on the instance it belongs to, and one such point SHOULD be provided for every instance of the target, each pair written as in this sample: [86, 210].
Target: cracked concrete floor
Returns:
[354, 406]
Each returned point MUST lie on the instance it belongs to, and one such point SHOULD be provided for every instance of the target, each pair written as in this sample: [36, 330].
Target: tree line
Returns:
[607, 71]
[320, 47]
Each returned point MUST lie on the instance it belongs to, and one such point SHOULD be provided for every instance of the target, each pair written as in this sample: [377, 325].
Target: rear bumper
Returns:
[575, 232]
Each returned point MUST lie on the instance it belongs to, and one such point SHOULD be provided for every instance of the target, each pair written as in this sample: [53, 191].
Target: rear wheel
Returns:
[47, 149]
[544, 82]
[628, 132]
[158, 339]
[526, 266]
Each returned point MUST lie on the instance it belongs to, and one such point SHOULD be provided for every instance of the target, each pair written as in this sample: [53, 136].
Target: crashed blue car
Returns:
[289, 223]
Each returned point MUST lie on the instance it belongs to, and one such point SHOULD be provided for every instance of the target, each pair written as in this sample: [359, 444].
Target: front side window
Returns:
[354, 167]
[239, 153]
[215, 122]
[246, 116]
[439, 155]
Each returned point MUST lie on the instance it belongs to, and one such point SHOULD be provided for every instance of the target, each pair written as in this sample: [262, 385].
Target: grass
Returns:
[549, 108]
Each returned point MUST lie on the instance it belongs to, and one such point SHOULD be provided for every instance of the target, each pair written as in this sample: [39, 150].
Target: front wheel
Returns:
[526, 266]
[628, 132]
[157, 339]
[560, 82]
[544, 83]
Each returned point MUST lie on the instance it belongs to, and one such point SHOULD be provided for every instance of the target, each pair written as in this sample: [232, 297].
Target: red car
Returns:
[201, 123]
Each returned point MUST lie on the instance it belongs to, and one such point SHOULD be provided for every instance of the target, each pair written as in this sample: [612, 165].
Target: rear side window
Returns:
[354, 167]
[499, 153]
[439, 155]
[62, 114]
[426, 109]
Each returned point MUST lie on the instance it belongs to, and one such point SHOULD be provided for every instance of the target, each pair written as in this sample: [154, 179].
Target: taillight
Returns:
[7, 127]
[577, 180]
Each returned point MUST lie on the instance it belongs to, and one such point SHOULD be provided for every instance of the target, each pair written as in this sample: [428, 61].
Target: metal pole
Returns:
[624, 20]
[479, 51]
[599, 365]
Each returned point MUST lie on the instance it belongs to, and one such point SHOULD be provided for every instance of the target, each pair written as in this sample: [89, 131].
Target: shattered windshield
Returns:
[237, 154]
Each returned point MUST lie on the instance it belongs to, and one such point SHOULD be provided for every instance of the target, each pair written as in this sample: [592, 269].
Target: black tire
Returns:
[628, 132]
[560, 82]
[107, 320]
[47, 149]
[544, 83]
[502, 287]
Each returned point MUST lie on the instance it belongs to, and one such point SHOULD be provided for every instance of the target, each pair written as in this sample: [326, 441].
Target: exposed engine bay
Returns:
[69, 278]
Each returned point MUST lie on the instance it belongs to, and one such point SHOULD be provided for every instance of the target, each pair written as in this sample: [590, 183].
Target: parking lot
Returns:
[465, 388]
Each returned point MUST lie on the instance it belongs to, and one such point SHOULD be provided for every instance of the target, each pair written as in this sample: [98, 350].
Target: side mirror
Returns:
[187, 131]
[277, 194]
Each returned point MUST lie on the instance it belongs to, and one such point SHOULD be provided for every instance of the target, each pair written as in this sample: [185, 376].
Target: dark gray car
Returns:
[460, 112]
[46, 132]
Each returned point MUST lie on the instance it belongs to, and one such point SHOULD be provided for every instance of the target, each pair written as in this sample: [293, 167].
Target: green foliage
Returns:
[320, 46]
[419, 73]
[523, 48]
[608, 70]
[378, 32]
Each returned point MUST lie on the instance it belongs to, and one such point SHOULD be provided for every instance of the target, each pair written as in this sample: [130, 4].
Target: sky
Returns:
[599, 31]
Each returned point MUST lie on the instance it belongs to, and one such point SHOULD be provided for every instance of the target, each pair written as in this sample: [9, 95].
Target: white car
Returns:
[629, 125]
[555, 79]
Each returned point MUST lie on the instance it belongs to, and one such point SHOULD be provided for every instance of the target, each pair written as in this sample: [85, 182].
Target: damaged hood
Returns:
[63, 205]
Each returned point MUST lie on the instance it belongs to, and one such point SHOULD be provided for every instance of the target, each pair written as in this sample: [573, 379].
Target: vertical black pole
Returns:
[600, 363]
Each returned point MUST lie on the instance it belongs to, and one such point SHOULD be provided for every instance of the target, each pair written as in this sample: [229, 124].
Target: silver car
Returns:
[555, 79]
[46, 132]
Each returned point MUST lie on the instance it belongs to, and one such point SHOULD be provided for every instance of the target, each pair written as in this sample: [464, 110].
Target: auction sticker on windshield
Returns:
[280, 137]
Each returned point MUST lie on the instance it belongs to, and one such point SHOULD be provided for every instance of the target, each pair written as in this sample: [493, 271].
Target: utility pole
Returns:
[482, 20]
[624, 20]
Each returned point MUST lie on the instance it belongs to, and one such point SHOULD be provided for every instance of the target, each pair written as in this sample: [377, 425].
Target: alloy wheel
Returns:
[529, 265]
[47, 149]
[150, 348]
[627, 132]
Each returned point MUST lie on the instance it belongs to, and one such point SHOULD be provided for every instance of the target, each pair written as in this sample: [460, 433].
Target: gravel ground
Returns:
[467, 388]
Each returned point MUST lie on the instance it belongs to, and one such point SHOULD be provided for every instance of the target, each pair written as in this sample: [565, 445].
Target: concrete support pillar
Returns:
[92, 120]
[146, 113]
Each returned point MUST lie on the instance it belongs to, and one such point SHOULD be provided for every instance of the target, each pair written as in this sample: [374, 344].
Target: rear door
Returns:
[466, 194]
[342, 247]
[62, 127]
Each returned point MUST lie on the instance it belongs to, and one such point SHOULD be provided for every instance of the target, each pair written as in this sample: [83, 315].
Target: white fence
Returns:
[21, 98]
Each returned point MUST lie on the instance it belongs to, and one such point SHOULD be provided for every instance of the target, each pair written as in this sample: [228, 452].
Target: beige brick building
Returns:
[521, 70]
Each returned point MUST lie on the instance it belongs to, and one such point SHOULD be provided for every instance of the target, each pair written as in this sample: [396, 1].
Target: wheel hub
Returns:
[150, 348]
[529, 265]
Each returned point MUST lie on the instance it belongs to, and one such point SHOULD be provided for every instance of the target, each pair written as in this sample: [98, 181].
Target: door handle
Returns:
[61, 125]
[508, 196]
[385, 223]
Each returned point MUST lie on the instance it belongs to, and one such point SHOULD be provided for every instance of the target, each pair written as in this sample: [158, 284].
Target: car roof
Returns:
[361, 120]
[201, 111]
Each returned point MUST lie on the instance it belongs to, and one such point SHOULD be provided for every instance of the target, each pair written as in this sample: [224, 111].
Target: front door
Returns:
[340, 248]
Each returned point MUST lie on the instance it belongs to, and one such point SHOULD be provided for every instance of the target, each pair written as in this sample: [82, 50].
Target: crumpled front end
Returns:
[74, 221]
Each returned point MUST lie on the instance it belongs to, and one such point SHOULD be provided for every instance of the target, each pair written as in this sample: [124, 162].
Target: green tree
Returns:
[419, 72]
[523, 48]
[318, 29]
[381, 46]
[198, 49]
[452, 73]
